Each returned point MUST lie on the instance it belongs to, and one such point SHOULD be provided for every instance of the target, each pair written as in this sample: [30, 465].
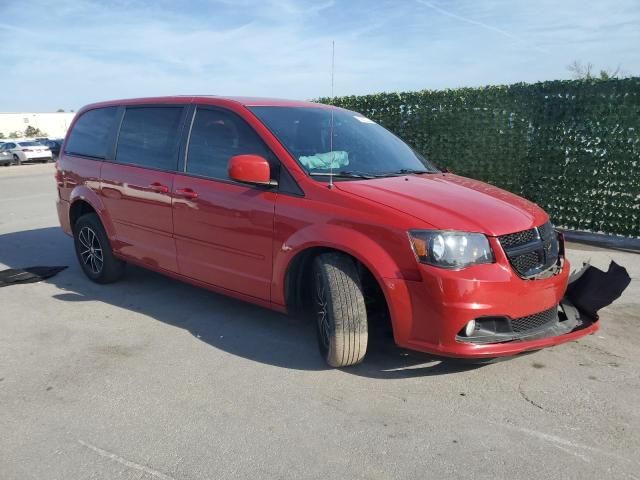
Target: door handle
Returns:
[187, 193]
[158, 187]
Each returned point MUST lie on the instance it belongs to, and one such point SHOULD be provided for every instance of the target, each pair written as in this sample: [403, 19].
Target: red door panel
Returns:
[139, 202]
[223, 233]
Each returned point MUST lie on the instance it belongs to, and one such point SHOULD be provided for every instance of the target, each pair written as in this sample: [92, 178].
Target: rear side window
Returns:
[216, 136]
[91, 133]
[149, 137]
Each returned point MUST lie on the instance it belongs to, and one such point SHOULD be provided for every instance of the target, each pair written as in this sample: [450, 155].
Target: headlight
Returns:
[448, 249]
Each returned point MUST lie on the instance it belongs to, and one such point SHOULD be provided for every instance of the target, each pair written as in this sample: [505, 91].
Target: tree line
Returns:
[30, 131]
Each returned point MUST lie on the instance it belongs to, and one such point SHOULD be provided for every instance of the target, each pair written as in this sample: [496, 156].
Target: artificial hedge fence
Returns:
[573, 147]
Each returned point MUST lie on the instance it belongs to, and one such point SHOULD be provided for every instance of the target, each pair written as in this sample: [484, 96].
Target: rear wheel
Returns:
[341, 315]
[94, 250]
[16, 159]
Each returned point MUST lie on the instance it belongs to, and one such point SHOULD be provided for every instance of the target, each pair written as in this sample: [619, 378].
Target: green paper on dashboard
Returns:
[326, 160]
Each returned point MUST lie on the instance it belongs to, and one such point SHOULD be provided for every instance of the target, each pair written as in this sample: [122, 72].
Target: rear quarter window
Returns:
[149, 137]
[91, 133]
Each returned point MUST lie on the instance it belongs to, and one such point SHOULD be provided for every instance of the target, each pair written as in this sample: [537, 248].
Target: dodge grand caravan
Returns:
[302, 207]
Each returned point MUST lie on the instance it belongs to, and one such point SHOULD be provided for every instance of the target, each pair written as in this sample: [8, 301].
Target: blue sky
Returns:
[67, 53]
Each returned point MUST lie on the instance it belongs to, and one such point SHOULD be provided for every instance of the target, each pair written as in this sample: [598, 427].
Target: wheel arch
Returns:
[294, 261]
[79, 208]
[83, 200]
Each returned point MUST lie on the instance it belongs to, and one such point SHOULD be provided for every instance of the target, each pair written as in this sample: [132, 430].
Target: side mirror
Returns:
[252, 169]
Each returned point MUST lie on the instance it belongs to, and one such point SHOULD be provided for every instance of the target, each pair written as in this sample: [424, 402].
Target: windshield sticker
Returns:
[363, 119]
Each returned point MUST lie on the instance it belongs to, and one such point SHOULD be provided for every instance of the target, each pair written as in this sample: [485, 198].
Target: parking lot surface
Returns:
[150, 378]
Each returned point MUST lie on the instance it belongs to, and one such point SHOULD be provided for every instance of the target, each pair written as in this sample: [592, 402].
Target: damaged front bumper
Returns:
[589, 290]
[564, 331]
[555, 322]
[501, 303]
[568, 324]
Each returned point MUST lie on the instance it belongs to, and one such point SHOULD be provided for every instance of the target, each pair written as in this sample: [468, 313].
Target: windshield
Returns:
[359, 145]
[29, 144]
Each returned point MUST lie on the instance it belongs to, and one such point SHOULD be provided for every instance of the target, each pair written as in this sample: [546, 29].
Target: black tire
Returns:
[341, 315]
[94, 252]
[16, 159]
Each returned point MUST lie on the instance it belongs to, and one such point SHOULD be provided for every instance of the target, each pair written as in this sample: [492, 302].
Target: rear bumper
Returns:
[34, 156]
[63, 215]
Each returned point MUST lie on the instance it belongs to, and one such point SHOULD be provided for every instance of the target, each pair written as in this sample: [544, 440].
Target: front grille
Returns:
[545, 230]
[518, 238]
[535, 321]
[532, 252]
[526, 262]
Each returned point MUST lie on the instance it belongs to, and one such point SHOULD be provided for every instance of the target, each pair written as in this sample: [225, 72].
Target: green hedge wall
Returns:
[573, 147]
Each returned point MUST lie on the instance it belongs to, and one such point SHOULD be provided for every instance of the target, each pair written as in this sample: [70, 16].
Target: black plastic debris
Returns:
[13, 276]
[591, 289]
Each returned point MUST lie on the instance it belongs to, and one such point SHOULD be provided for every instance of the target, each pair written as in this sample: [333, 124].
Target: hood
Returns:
[450, 202]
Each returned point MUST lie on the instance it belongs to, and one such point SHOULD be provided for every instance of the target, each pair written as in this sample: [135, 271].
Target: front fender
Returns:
[372, 255]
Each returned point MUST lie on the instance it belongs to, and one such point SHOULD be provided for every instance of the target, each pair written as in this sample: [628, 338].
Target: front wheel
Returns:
[94, 250]
[16, 159]
[341, 315]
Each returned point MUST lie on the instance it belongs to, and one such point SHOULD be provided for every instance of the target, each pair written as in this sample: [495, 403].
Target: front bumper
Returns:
[503, 349]
[437, 308]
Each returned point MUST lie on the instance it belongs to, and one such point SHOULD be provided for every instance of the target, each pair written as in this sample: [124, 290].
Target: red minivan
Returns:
[302, 207]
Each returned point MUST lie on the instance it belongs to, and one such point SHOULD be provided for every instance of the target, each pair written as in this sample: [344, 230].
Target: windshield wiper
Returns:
[404, 171]
[344, 174]
[368, 175]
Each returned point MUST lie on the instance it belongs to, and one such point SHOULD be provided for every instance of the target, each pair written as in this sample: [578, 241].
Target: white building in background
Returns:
[54, 125]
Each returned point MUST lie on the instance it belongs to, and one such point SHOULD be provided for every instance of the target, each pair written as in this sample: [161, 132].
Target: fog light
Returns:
[470, 328]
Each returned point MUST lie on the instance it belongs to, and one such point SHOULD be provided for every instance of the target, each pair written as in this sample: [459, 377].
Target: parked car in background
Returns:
[27, 151]
[6, 158]
[54, 146]
[301, 207]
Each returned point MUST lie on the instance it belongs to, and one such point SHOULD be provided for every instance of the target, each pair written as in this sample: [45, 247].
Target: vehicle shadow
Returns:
[233, 326]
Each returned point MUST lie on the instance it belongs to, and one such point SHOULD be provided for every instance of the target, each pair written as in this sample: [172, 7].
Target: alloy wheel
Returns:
[324, 323]
[90, 250]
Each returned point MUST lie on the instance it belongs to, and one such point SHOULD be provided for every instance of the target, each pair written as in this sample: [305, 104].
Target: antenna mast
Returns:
[333, 57]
